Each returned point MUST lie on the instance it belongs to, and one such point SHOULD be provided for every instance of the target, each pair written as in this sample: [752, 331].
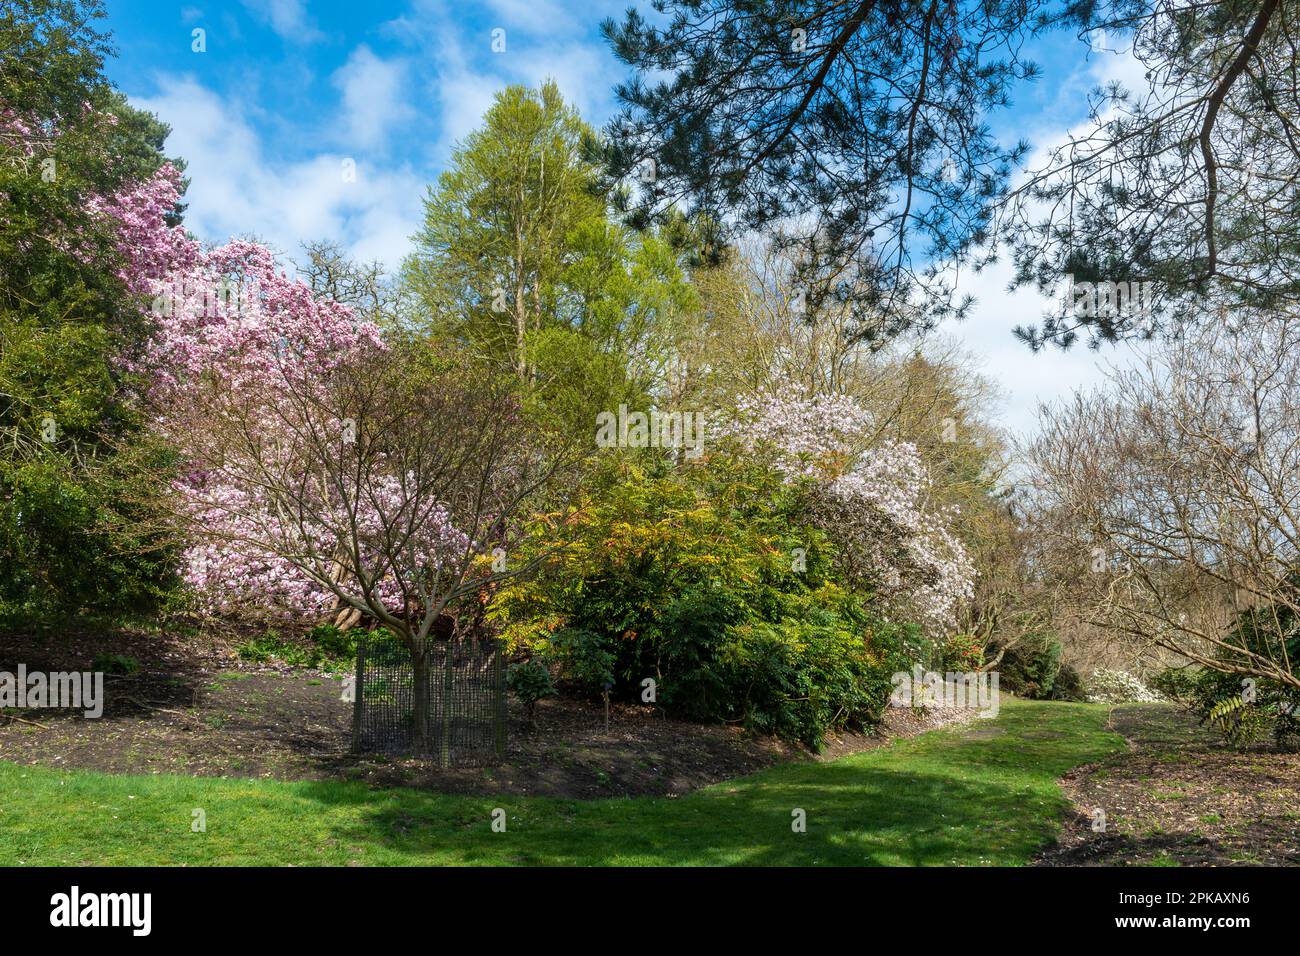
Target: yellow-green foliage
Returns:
[704, 577]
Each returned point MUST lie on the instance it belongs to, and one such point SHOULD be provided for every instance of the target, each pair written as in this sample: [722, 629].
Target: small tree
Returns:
[388, 486]
[324, 466]
[1171, 499]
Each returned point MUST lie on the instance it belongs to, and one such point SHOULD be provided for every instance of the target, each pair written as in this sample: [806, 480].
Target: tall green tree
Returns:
[67, 320]
[520, 261]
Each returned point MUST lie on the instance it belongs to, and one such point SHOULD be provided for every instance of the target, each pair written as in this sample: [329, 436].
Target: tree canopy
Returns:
[69, 315]
[857, 134]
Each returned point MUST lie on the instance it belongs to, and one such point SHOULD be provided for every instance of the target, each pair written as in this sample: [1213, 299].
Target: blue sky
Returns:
[288, 91]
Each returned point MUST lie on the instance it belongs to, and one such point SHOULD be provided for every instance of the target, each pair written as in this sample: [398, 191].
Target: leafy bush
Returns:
[324, 646]
[800, 679]
[1246, 709]
[1030, 667]
[1178, 684]
[584, 657]
[530, 681]
[1243, 709]
[710, 580]
[1068, 684]
[260, 649]
[1222, 702]
[962, 653]
[1118, 687]
[78, 530]
[333, 643]
[73, 539]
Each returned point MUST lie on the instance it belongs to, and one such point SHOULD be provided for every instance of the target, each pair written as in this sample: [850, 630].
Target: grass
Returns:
[979, 795]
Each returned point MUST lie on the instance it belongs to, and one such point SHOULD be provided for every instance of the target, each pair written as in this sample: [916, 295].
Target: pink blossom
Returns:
[227, 320]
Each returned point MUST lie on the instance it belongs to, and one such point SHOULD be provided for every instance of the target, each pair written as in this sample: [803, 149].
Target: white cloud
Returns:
[464, 96]
[586, 75]
[465, 91]
[1029, 378]
[533, 16]
[288, 18]
[1026, 378]
[542, 41]
[373, 96]
[236, 190]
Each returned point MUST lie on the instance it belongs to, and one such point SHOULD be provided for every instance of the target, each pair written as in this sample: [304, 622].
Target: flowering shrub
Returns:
[814, 435]
[1118, 687]
[871, 499]
[962, 653]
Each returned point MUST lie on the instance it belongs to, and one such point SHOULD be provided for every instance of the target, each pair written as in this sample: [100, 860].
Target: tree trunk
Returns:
[420, 699]
[347, 618]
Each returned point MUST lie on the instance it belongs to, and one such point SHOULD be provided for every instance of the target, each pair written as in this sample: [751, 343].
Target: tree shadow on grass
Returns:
[854, 815]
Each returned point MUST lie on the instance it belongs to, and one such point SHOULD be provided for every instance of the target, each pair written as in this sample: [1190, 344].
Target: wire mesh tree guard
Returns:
[464, 706]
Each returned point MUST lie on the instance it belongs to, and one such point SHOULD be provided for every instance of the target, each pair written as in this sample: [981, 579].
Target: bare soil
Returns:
[195, 708]
[1180, 797]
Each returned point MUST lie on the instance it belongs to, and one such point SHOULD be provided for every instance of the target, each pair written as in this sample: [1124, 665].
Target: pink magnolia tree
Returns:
[323, 469]
[872, 498]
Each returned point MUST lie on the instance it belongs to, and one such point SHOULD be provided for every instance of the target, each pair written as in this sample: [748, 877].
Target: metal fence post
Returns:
[357, 683]
[499, 699]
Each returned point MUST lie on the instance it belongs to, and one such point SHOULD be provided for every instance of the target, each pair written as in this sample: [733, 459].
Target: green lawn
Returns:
[978, 795]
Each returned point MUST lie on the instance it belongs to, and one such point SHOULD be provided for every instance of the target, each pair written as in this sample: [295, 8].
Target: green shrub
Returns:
[690, 576]
[1244, 709]
[1178, 684]
[690, 633]
[806, 676]
[1068, 684]
[584, 656]
[334, 643]
[1029, 668]
[324, 646]
[530, 681]
[260, 649]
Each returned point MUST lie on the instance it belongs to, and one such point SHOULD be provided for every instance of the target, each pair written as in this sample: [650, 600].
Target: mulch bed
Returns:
[1180, 796]
[194, 708]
